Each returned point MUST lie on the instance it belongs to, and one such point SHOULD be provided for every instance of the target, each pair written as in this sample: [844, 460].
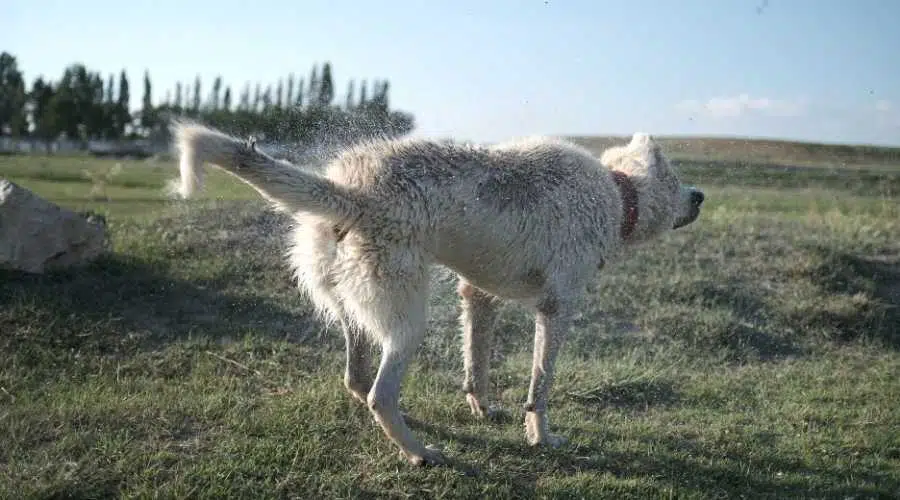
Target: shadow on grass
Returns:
[214, 273]
[732, 317]
[665, 463]
[746, 335]
[632, 394]
[116, 301]
[854, 297]
[866, 297]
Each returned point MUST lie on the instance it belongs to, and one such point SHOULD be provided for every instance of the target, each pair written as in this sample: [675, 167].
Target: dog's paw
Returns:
[494, 413]
[548, 440]
[497, 414]
[536, 433]
[358, 388]
[358, 395]
[431, 456]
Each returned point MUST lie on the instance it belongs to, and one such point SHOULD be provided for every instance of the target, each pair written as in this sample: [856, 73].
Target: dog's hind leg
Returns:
[357, 367]
[357, 374]
[313, 256]
[390, 303]
[384, 403]
[551, 325]
[477, 320]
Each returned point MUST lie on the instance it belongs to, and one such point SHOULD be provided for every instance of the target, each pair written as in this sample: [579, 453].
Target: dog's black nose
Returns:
[697, 198]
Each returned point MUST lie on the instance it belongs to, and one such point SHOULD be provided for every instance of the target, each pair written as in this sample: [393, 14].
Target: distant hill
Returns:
[758, 150]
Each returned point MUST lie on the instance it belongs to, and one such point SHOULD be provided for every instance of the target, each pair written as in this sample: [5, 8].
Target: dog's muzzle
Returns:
[695, 199]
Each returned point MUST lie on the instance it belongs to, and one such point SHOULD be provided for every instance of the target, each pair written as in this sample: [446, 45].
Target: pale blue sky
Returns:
[823, 70]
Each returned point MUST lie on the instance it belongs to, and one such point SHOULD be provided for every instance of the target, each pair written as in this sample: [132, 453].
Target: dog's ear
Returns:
[641, 140]
[642, 148]
[646, 148]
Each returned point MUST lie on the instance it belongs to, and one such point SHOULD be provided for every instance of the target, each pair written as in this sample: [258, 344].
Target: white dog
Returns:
[529, 221]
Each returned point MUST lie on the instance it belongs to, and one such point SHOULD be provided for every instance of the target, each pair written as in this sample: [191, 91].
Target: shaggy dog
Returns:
[529, 221]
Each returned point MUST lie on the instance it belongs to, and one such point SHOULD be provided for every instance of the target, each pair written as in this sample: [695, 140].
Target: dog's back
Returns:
[490, 213]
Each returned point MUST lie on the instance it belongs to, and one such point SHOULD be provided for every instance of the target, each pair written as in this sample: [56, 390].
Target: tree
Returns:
[312, 95]
[111, 89]
[187, 97]
[300, 94]
[97, 119]
[13, 97]
[80, 94]
[178, 97]
[109, 108]
[279, 92]
[326, 86]
[63, 105]
[123, 115]
[97, 83]
[195, 108]
[161, 115]
[380, 99]
[362, 95]
[348, 102]
[245, 99]
[43, 124]
[84, 105]
[267, 98]
[289, 99]
[216, 90]
[147, 112]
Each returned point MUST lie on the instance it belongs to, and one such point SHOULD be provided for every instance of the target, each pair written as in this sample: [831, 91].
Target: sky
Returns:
[819, 70]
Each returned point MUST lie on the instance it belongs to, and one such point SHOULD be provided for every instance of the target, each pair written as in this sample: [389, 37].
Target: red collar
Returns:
[629, 203]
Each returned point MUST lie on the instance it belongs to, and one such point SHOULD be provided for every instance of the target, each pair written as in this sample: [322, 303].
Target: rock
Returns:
[37, 235]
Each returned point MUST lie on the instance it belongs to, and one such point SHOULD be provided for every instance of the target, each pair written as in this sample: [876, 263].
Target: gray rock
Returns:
[37, 235]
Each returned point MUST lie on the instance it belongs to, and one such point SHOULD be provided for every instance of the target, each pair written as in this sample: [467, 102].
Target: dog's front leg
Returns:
[551, 325]
[477, 318]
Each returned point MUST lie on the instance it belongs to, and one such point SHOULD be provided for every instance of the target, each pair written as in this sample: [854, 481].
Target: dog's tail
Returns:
[279, 181]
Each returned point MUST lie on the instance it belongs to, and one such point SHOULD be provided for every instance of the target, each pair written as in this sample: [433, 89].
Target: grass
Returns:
[764, 151]
[753, 354]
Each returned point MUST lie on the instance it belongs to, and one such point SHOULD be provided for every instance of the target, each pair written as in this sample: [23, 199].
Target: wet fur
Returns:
[530, 220]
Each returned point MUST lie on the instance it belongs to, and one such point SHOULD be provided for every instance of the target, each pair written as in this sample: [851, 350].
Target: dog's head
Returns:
[662, 202]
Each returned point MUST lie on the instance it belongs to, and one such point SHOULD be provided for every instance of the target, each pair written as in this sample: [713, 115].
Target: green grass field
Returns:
[754, 354]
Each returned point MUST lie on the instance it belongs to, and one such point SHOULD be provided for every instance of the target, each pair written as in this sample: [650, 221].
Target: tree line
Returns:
[83, 105]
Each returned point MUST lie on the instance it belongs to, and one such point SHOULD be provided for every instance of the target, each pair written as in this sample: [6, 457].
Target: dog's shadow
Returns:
[677, 463]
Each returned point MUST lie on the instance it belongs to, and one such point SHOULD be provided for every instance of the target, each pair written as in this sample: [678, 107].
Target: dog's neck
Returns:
[629, 203]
